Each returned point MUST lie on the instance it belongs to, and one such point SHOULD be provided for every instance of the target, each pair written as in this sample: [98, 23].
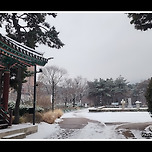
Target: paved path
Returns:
[74, 128]
[136, 126]
[83, 128]
[127, 129]
[71, 128]
[75, 123]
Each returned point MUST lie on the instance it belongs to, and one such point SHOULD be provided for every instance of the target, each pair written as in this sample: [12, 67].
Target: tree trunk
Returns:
[53, 94]
[74, 101]
[19, 89]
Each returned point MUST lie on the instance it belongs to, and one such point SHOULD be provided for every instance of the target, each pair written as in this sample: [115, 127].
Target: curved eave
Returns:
[22, 55]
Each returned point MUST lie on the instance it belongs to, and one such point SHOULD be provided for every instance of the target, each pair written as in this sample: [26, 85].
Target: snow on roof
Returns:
[24, 52]
[23, 46]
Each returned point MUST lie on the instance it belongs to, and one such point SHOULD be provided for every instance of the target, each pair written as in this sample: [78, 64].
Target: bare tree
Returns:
[74, 89]
[43, 96]
[67, 91]
[52, 76]
[80, 87]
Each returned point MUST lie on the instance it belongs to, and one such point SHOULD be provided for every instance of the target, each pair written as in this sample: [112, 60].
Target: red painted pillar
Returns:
[6, 89]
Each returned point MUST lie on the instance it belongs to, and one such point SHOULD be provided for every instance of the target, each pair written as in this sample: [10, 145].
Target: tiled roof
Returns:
[13, 53]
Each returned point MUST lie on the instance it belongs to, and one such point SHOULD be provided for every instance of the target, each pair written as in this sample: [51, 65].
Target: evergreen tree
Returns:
[148, 96]
[142, 21]
[106, 91]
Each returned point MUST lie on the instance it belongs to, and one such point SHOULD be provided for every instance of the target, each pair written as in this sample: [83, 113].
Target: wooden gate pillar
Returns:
[6, 89]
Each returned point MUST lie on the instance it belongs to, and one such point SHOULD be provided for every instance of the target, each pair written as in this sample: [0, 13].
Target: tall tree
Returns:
[143, 22]
[78, 89]
[29, 29]
[121, 88]
[103, 92]
[52, 75]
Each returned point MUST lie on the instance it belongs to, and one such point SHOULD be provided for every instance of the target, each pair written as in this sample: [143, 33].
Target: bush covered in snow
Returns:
[24, 108]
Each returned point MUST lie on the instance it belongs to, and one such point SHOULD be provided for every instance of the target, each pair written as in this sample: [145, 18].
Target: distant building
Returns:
[27, 88]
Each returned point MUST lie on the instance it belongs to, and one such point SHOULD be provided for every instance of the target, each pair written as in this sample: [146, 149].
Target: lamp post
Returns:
[34, 98]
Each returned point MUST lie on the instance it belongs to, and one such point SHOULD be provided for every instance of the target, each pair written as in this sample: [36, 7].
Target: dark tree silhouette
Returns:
[141, 21]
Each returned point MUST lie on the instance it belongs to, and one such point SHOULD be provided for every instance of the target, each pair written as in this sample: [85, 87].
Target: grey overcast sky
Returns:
[101, 45]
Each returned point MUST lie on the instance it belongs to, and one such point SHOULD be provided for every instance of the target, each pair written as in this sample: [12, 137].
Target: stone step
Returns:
[17, 129]
[4, 125]
[15, 136]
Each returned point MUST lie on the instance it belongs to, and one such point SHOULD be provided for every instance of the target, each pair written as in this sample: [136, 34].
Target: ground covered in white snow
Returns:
[102, 126]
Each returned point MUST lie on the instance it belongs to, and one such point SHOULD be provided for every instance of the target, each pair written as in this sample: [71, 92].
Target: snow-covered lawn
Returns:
[102, 130]
[106, 117]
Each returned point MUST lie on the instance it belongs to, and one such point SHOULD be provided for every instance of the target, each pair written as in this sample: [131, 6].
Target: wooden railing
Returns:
[6, 116]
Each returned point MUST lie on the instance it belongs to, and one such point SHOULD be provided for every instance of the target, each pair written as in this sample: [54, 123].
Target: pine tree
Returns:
[141, 21]
[148, 96]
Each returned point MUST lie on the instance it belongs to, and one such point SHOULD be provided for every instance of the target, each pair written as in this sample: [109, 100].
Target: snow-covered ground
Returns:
[104, 128]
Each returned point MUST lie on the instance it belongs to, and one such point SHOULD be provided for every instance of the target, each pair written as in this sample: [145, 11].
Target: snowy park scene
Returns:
[75, 76]
[85, 125]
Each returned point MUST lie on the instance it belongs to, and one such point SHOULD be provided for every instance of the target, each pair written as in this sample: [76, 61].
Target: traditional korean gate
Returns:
[14, 55]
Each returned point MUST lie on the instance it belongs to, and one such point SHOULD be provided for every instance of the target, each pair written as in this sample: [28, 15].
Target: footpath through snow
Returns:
[82, 124]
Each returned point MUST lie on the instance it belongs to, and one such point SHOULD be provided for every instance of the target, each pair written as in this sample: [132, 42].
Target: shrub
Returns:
[29, 118]
[50, 117]
[11, 105]
[39, 109]
[58, 113]
[23, 108]
[22, 119]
